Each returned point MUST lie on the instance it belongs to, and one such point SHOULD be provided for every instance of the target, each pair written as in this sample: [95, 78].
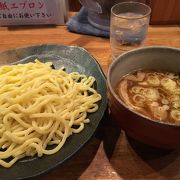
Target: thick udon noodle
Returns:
[154, 94]
[41, 106]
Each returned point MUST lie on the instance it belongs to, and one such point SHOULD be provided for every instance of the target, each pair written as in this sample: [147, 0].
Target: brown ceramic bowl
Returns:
[137, 126]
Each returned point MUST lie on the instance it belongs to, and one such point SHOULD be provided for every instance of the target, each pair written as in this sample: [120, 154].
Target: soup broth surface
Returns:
[153, 94]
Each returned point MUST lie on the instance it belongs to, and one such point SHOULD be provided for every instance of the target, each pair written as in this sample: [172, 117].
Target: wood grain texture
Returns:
[165, 11]
[109, 154]
[74, 5]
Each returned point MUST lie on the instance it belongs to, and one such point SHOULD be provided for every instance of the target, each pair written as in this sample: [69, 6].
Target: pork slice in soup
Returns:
[153, 94]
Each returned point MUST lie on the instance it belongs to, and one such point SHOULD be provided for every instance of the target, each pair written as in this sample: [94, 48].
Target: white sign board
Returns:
[16, 12]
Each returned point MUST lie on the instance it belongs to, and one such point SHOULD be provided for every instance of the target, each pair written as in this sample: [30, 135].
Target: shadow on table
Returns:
[110, 136]
[131, 159]
[164, 162]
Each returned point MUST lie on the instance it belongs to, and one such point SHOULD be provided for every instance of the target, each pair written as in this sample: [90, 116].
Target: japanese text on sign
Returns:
[21, 5]
[29, 10]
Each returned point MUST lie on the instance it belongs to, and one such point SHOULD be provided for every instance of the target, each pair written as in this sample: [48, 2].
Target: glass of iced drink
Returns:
[129, 26]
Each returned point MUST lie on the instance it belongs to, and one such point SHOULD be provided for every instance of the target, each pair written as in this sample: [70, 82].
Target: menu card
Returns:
[24, 12]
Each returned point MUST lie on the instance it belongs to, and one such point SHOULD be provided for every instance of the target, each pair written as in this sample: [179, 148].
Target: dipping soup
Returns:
[154, 94]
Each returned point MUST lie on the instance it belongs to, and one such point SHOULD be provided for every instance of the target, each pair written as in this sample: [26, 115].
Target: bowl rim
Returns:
[114, 63]
[131, 3]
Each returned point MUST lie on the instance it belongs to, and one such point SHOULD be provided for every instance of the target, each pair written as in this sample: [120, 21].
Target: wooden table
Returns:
[109, 154]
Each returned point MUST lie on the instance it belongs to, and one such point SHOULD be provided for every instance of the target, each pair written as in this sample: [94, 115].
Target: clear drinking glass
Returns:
[129, 26]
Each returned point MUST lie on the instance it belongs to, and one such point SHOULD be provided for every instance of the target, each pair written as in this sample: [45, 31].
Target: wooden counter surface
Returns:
[109, 154]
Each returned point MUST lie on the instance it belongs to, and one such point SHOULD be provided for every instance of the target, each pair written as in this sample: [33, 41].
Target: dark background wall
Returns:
[163, 11]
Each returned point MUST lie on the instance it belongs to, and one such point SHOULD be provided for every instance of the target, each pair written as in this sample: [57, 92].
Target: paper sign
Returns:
[16, 12]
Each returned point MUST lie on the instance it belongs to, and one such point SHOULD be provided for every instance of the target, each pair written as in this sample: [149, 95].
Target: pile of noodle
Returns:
[41, 106]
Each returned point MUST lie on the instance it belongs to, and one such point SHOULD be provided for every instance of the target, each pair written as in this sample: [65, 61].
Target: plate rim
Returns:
[101, 72]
